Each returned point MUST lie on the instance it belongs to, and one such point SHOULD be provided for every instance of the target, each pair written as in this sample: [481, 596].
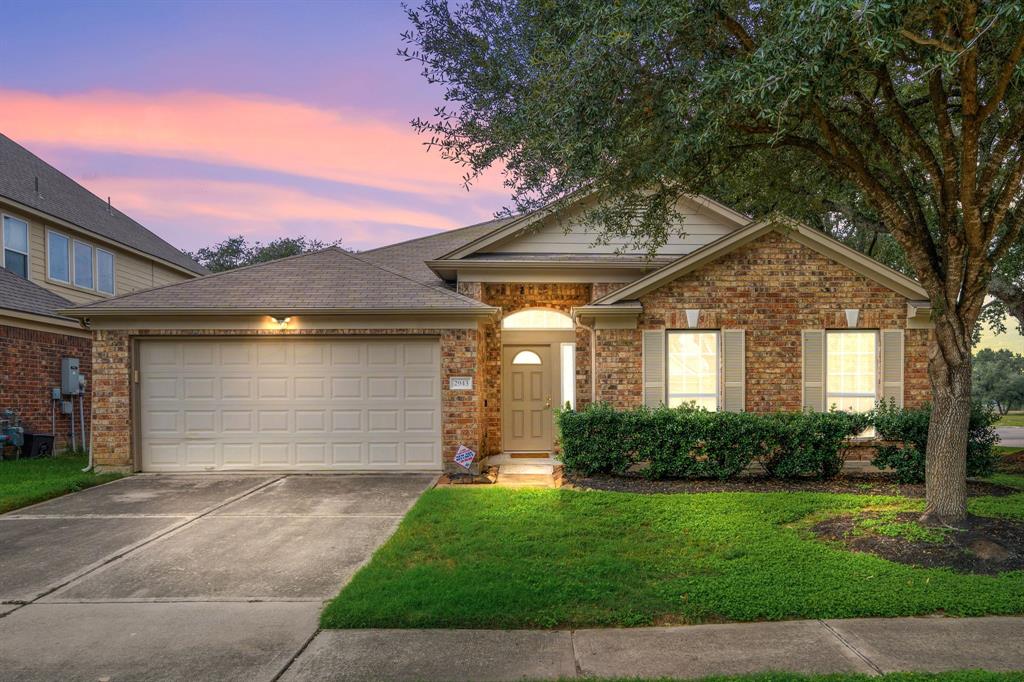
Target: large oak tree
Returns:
[910, 110]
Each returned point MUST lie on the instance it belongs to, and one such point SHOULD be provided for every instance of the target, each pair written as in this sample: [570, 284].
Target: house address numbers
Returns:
[460, 383]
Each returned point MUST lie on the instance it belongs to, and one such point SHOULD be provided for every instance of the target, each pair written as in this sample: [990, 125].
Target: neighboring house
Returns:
[390, 359]
[60, 245]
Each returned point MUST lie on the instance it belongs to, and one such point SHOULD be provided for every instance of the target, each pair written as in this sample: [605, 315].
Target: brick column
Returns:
[618, 371]
[111, 401]
[462, 410]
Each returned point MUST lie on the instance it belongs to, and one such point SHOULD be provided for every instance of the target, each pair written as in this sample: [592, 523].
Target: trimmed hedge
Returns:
[687, 442]
[907, 433]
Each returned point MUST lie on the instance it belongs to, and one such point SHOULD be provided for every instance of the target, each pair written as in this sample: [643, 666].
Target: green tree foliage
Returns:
[235, 252]
[998, 378]
[904, 115]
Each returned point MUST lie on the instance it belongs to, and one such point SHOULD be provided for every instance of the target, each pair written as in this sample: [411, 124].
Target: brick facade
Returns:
[773, 288]
[512, 298]
[30, 367]
[461, 411]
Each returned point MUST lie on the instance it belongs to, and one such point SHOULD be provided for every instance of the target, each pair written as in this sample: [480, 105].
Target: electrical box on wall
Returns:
[70, 383]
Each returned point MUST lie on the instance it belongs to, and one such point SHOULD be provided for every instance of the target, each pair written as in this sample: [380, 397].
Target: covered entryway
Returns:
[289, 404]
[538, 376]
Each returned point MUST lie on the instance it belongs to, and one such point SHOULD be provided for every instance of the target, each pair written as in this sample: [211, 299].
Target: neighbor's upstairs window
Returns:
[16, 246]
[58, 257]
[693, 369]
[851, 370]
[104, 271]
[83, 266]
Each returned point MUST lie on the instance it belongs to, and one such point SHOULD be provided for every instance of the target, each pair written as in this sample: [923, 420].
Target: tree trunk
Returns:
[949, 368]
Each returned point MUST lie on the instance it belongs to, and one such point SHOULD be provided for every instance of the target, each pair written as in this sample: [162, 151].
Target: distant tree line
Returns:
[998, 378]
[236, 252]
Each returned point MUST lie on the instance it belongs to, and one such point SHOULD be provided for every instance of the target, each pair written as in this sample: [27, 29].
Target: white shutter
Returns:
[733, 371]
[892, 365]
[654, 368]
[814, 370]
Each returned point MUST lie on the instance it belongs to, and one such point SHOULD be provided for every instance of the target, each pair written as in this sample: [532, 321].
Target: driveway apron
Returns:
[185, 577]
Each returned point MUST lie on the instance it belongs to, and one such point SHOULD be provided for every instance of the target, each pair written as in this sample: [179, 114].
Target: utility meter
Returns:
[70, 379]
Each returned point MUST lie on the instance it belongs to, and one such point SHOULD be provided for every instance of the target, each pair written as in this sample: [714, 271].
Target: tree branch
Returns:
[924, 40]
[1004, 79]
[738, 31]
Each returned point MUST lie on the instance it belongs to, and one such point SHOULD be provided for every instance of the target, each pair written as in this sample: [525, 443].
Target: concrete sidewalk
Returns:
[869, 646]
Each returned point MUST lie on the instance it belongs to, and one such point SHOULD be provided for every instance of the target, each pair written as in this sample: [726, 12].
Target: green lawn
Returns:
[27, 481]
[1016, 419]
[498, 558]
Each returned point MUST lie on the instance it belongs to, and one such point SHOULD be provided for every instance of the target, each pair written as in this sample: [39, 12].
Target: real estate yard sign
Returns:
[464, 457]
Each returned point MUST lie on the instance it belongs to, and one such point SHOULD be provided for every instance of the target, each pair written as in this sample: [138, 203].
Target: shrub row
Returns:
[905, 434]
[687, 442]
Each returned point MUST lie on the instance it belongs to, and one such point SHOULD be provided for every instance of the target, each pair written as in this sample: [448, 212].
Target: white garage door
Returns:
[290, 404]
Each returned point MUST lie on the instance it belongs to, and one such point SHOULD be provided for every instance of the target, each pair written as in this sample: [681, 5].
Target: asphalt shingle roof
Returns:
[17, 293]
[331, 279]
[62, 197]
[408, 257]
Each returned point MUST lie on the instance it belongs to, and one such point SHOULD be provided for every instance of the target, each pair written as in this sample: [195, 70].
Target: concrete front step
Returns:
[525, 480]
[526, 469]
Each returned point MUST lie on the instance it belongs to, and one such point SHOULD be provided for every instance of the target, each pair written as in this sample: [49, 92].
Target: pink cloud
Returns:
[249, 131]
[194, 212]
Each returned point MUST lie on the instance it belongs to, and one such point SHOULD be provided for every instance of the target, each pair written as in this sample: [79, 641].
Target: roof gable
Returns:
[560, 228]
[809, 237]
[63, 198]
[331, 280]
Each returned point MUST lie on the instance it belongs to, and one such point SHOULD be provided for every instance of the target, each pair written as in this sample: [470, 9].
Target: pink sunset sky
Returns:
[204, 120]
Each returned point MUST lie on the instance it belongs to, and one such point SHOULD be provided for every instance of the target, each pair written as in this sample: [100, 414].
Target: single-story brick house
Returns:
[390, 359]
[61, 245]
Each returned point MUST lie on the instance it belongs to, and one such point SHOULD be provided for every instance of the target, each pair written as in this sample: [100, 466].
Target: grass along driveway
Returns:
[1014, 419]
[500, 558]
[27, 481]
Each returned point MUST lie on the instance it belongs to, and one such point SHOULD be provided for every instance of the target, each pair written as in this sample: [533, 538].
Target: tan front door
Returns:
[527, 374]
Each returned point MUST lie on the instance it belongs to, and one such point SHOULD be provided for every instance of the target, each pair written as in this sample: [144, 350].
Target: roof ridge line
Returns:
[205, 277]
[445, 290]
[436, 234]
[101, 203]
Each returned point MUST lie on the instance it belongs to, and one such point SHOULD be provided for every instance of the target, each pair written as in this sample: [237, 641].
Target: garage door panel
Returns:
[159, 355]
[347, 387]
[311, 421]
[310, 388]
[238, 455]
[161, 388]
[271, 354]
[326, 404]
[423, 388]
[272, 388]
[196, 355]
[383, 387]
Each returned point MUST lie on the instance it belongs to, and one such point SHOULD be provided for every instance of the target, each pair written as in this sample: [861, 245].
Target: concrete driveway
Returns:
[185, 577]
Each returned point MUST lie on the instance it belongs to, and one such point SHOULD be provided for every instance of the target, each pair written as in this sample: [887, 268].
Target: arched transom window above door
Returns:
[526, 357]
[537, 318]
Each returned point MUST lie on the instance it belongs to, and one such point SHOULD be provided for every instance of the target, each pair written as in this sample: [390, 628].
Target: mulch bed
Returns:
[1013, 463]
[983, 545]
[857, 484]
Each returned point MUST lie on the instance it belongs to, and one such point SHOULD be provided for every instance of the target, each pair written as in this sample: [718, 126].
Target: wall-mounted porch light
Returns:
[281, 320]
